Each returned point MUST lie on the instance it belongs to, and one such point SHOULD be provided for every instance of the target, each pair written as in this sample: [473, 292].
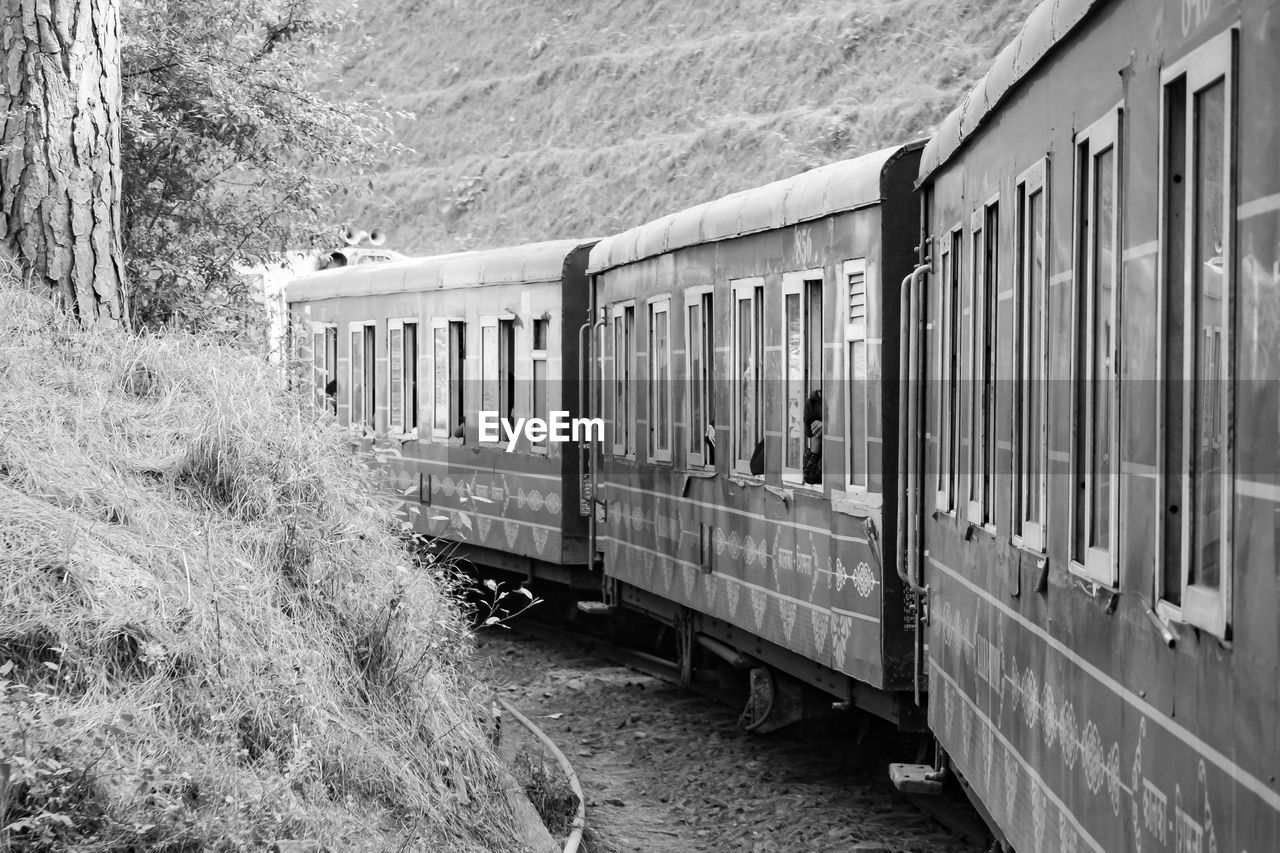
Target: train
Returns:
[977, 434]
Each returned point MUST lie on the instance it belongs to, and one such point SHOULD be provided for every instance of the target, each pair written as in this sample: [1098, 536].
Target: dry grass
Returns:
[553, 119]
[210, 639]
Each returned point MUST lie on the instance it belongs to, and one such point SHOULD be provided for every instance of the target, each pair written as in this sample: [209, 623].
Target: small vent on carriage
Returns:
[857, 297]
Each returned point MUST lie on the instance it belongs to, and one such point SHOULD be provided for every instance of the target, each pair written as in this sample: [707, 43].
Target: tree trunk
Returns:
[60, 150]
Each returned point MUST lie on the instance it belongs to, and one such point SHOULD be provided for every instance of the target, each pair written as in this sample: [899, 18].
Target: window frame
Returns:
[499, 323]
[851, 333]
[368, 389]
[949, 260]
[702, 296]
[795, 283]
[1098, 565]
[1031, 533]
[323, 368]
[1206, 608]
[536, 357]
[452, 416]
[656, 305]
[409, 413]
[977, 305]
[990, 212]
[624, 375]
[747, 290]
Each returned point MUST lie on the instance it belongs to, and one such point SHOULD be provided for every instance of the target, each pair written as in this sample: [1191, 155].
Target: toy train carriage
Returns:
[1101, 486]
[428, 351]
[747, 479]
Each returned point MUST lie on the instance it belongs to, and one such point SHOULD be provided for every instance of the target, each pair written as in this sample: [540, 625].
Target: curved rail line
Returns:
[580, 818]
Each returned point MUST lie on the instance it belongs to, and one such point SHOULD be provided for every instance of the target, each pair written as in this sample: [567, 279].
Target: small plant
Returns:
[548, 790]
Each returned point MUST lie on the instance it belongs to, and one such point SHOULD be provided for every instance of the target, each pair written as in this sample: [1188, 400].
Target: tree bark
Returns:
[60, 150]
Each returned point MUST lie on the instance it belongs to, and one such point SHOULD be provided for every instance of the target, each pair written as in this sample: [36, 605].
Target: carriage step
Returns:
[914, 779]
[596, 608]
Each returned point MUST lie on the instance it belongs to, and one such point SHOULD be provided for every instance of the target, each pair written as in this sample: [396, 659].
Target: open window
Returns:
[802, 377]
[1030, 434]
[361, 383]
[699, 342]
[660, 418]
[448, 348]
[624, 323]
[497, 367]
[1197, 265]
[948, 367]
[402, 360]
[987, 335]
[1095, 504]
[324, 366]
[748, 376]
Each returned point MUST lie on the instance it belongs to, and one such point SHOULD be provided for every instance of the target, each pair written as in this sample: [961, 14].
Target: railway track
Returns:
[667, 770]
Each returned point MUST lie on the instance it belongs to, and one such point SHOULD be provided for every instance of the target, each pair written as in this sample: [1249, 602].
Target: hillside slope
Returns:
[210, 638]
[544, 120]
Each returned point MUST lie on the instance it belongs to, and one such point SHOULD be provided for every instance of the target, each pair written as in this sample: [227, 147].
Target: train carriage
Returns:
[412, 353]
[1093, 506]
[723, 333]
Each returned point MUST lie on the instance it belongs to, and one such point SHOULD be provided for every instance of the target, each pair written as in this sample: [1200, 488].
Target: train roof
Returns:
[1047, 25]
[533, 262]
[836, 187]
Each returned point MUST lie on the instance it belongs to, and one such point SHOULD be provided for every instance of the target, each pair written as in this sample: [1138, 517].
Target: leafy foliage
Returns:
[233, 149]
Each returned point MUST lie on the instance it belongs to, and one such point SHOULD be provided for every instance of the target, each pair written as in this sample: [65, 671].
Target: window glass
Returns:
[1174, 188]
[395, 347]
[1209, 440]
[746, 375]
[946, 375]
[990, 344]
[795, 384]
[489, 368]
[440, 366]
[1030, 433]
[1101, 386]
[357, 376]
[660, 380]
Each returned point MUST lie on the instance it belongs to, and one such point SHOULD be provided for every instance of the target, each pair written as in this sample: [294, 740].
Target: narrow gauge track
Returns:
[666, 770]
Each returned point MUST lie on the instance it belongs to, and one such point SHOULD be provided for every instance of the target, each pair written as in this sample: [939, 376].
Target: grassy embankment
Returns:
[210, 638]
[540, 120]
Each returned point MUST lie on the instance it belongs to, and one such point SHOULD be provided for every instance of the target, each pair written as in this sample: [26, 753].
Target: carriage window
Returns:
[449, 358]
[1095, 440]
[862, 435]
[982, 389]
[361, 398]
[970, 331]
[802, 377]
[1197, 267]
[624, 321]
[660, 380]
[497, 373]
[948, 357]
[402, 352]
[1031, 446]
[700, 347]
[748, 355]
[538, 362]
[324, 366]
[989, 356]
